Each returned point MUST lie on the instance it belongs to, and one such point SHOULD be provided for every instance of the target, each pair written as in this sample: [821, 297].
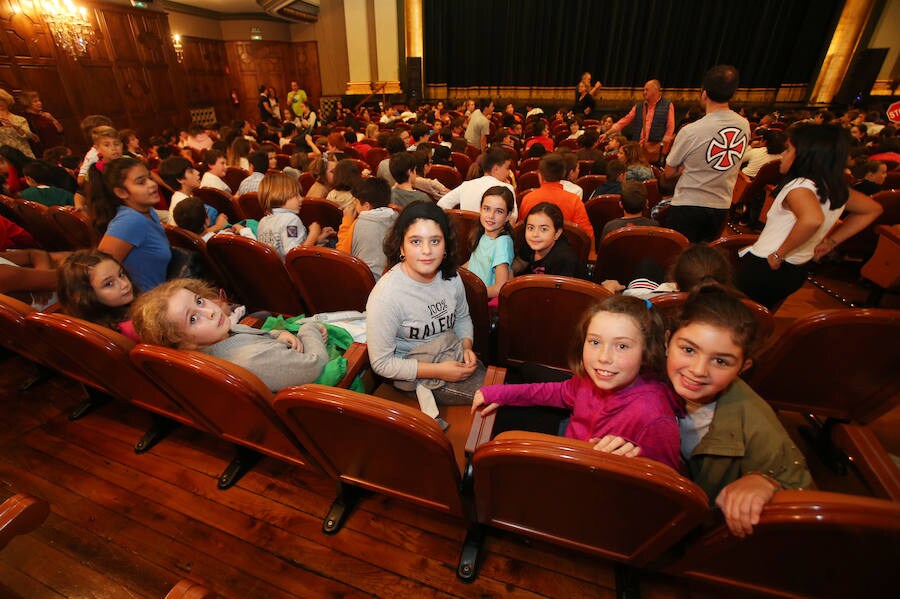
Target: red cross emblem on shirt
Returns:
[726, 149]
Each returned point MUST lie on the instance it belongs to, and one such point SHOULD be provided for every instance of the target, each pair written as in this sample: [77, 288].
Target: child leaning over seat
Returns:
[187, 314]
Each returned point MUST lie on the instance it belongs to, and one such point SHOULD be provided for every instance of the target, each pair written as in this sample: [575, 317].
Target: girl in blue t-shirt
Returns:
[493, 254]
[122, 202]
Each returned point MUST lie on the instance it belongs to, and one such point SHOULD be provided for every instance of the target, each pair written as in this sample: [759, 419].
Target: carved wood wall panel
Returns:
[275, 64]
[131, 73]
[126, 75]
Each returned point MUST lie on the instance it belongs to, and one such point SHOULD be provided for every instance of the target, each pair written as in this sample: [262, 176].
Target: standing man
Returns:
[480, 125]
[655, 127]
[706, 159]
[265, 107]
[295, 98]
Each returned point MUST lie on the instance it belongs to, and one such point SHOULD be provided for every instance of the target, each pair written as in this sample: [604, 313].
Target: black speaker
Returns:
[414, 79]
[860, 77]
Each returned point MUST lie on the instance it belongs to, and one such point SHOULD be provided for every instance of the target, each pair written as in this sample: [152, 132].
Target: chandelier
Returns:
[69, 25]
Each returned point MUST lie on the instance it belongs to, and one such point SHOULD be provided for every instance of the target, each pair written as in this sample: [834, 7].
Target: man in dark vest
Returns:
[654, 126]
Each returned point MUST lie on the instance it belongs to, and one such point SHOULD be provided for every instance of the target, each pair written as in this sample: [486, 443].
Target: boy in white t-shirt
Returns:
[217, 167]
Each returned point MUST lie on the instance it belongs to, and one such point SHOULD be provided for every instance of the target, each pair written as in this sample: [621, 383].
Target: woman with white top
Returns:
[808, 203]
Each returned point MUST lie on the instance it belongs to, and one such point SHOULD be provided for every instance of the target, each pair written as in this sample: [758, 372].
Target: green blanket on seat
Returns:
[338, 342]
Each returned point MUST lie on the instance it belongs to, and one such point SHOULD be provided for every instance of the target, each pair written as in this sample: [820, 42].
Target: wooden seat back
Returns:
[588, 183]
[102, 362]
[234, 401]
[375, 444]
[13, 332]
[538, 317]
[250, 206]
[234, 176]
[329, 280]
[477, 298]
[730, 245]
[801, 536]
[669, 304]
[464, 222]
[601, 210]
[462, 162]
[257, 274]
[563, 491]
[375, 156]
[447, 175]
[834, 363]
[622, 250]
[74, 226]
[45, 231]
[320, 210]
[221, 201]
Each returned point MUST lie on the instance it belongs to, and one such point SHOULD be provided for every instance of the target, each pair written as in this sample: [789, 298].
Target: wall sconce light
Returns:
[178, 47]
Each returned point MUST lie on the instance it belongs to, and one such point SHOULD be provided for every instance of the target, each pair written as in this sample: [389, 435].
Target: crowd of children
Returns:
[637, 389]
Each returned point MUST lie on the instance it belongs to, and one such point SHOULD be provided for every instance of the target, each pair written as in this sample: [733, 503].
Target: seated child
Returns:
[191, 215]
[259, 165]
[179, 174]
[88, 124]
[633, 203]
[615, 171]
[39, 177]
[547, 250]
[734, 445]
[367, 222]
[695, 264]
[492, 254]
[93, 286]
[218, 166]
[187, 314]
[403, 169]
[616, 403]
[281, 227]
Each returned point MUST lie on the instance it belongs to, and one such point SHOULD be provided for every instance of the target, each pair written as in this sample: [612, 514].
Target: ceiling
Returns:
[225, 6]
[303, 10]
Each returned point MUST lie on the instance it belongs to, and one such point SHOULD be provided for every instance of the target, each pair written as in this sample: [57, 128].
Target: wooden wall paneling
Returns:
[275, 64]
[26, 36]
[207, 80]
[100, 93]
[121, 35]
[307, 73]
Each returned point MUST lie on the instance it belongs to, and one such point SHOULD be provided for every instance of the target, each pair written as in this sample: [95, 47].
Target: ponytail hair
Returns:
[103, 199]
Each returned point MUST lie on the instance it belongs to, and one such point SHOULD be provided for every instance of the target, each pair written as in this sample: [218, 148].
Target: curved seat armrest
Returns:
[482, 426]
[357, 358]
[188, 589]
[20, 514]
[892, 232]
[870, 457]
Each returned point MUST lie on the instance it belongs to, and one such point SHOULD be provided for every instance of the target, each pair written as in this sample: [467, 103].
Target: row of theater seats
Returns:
[22, 513]
[634, 512]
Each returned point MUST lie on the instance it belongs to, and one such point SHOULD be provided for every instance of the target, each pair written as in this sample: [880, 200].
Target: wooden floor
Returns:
[124, 525]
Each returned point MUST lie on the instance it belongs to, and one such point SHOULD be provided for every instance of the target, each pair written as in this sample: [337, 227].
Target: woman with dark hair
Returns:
[418, 328]
[811, 197]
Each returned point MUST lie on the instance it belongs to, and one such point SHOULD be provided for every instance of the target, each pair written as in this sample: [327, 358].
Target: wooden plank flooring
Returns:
[128, 525]
[124, 525]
